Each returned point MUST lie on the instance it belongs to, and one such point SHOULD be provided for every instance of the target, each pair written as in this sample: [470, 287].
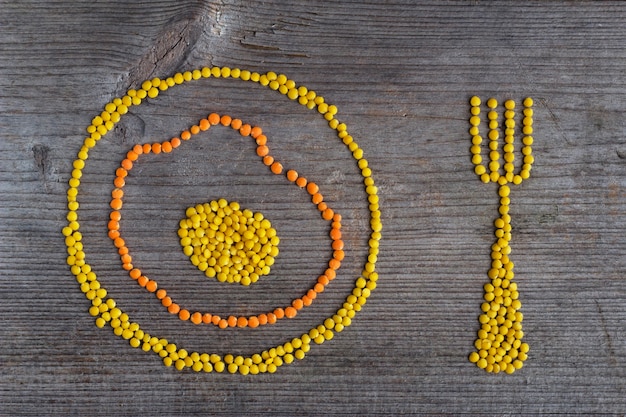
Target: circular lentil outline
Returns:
[105, 309]
[151, 285]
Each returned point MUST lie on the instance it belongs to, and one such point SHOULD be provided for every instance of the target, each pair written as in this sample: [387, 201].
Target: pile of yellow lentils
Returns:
[260, 256]
[227, 243]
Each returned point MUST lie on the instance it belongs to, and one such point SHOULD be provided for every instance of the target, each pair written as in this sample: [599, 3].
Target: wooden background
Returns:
[401, 74]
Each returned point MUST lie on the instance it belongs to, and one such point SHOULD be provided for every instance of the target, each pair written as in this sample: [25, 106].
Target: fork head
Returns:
[501, 155]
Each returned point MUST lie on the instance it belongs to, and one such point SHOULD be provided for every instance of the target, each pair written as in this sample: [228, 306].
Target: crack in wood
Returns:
[172, 47]
[607, 335]
[40, 155]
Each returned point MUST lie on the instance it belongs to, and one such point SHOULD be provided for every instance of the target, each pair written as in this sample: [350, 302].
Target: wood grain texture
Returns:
[401, 74]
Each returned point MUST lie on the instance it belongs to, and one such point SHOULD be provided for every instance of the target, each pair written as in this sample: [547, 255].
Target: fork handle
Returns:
[499, 344]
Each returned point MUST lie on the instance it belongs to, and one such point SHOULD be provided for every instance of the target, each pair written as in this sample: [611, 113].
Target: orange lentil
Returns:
[242, 321]
[297, 304]
[147, 148]
[160, 294]
[323, 279]
[121, 172]
[301, 182]
[175, 142]
[131, 156]
[232, 321]
[166, 301]
[337, 244]
[142, 280]
[113, 225]
[122, 251]
[225, 120]
[255, 132]
[311, 294]
[306, 300]
[151, 286]
[156, 148]
[276, 168]
[114, 234]
[184, 315]
[335, 234]
[245, 130]
[185, 135]
[292, 175]
[337, 218]
[336, 225]
[331, 274]
[262, 150]
[119, 242]
[115, 215]
[290, 312]
[166, 146]
[135, 273]
[268, 160]
[196, 318]
[195, 129]
[204, 124]
[126, 258]
[119, 182]
[117, 193]
[261, 140]
[236, 124]
[271, 318]
[339, 255]
[206, 318]
[279, 313]
[334, 264]
[223, 324]
[312, 188]
[321, 206]
[253, 322]
[216, 320]
[318, 288]
[263, 319]
[138, 149]
[127, 267]
[127, 164]
[214, 118]
[173, 308]
[317, 198]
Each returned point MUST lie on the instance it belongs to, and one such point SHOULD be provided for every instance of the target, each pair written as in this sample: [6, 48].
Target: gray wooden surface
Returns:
[401, 74]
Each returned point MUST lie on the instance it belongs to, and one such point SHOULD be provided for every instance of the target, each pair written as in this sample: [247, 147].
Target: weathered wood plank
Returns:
[401, 74]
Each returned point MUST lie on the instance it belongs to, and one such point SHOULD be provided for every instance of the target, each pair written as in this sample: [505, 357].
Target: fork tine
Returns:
[527, 141]
[494, 136]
